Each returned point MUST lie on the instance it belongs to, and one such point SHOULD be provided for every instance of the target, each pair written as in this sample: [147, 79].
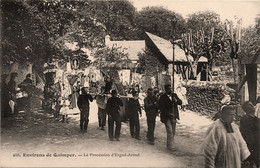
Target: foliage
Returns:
[149, 64]
[39, 29]
[250, 43]
[202, 20]
[203, 37]
[113, 58]
[22, 39]
[157, 20]
[117, 17]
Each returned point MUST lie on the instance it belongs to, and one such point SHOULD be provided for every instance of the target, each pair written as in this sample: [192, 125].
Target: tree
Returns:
[250, 51]
[64, 22]
[39, 29]
[117, 18]
[149, 64]
[233, 40]
[112, 58]
[157, 20]
[22, 39]
[203, 37]
[250, 42]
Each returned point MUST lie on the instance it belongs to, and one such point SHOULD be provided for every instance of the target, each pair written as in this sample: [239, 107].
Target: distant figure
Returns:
[5, 97]
[169, 113]
[75, 96]
[63, 110]
[224, 102]
[12, 85]
[134, 111]
[83, 104]
[151, 109]
[28, 79]
[26, 86]
[181, 92]
[224, 146]
[249, 127]
[112, 109]
[101, 101]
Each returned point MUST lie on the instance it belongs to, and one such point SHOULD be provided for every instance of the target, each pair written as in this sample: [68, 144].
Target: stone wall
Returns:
[205, 97]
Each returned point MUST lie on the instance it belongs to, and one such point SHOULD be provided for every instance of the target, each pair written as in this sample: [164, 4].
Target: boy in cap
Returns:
[134, 111]
[151, 109]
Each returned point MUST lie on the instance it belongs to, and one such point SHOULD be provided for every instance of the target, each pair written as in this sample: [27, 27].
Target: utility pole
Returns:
[174, 22]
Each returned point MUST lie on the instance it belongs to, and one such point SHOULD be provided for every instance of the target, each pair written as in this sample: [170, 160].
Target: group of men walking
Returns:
[225, 144]
[165, 104]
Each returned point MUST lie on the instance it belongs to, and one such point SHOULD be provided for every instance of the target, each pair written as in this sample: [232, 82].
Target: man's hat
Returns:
[149, 90]
[134, 92]
[28, 75]
[114, 92]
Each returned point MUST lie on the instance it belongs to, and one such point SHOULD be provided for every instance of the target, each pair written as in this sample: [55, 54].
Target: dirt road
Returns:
[34, 139]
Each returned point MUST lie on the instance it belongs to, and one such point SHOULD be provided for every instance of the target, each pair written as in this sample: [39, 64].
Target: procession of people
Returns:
[225, 144]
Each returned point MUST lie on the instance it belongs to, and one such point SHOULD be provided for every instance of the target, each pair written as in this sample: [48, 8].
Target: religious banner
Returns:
[74, 63]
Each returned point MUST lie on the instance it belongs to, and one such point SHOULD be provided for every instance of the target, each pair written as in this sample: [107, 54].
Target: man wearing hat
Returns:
[250, 130]
[134, 111]
[224, 145]
[112, 109]
[83, 104]
[169, 113]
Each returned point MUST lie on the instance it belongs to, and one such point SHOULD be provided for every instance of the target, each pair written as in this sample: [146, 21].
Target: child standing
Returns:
[134, 109]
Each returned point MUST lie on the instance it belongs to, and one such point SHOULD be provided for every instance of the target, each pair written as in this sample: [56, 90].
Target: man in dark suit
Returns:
[169, 113]
[112, 109]
[83, 104]
[249, 128]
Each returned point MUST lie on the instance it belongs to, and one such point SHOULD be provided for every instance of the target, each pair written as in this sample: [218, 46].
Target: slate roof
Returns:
[165, 47]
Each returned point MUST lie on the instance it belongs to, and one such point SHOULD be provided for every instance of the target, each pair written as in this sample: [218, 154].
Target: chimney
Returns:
[107, 40]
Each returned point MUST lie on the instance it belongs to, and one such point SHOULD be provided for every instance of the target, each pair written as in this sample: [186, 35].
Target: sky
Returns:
[227, 9]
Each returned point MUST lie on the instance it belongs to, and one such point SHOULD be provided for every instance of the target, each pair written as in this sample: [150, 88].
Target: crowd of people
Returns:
[110, 104]
[226, 144]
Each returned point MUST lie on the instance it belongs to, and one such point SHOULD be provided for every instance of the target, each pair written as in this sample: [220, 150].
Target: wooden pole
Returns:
[173, 58]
